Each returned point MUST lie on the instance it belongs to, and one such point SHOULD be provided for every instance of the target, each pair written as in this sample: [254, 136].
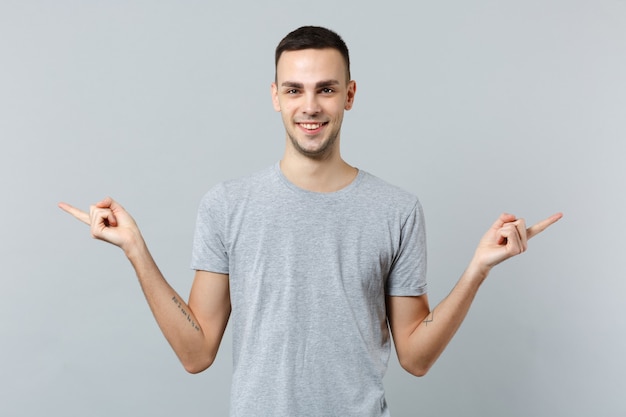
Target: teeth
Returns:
[311, 126]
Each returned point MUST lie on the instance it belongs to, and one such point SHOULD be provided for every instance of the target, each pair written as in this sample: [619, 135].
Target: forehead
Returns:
[311, 64]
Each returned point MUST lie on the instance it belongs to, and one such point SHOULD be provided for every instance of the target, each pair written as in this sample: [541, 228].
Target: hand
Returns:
[508, 237]
[108, 222]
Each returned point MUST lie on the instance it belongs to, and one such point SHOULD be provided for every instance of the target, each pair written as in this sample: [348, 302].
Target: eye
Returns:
[327, 90]
[291, 91]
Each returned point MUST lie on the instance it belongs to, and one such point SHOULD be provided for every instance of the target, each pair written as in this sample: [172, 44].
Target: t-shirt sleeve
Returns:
[408, 272]
[209, 251]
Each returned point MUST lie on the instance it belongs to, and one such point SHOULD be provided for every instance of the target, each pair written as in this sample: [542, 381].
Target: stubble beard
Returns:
[324, 151]
[318, 153]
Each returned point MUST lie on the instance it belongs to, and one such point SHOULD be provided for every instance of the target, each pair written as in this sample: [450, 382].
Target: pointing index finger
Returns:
[77, 213]
[543, 225]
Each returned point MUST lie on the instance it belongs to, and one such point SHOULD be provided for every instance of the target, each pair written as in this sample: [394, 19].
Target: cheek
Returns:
[289, 107]
[338, 109]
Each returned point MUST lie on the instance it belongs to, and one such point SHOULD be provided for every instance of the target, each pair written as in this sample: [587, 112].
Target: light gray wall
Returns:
[478, 107]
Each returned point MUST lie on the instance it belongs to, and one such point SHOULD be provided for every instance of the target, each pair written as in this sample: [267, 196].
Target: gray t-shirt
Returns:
[308, 276]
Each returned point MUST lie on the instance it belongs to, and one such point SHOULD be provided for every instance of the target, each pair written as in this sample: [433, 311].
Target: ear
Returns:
[350, 95]
[275, 101]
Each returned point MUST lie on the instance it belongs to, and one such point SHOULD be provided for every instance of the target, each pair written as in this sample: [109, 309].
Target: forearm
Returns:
[421, 335]
[195, 337]
[432, 333]
[174, 317]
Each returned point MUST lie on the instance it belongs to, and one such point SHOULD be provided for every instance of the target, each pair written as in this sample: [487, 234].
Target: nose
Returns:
[311, 104]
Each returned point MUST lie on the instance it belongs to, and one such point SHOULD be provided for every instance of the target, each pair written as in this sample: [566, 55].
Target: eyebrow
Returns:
[319, 84]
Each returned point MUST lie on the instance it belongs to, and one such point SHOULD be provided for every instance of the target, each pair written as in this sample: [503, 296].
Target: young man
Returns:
[312, 260]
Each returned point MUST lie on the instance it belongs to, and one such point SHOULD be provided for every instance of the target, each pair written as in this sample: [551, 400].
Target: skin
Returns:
[311, 93]
[312, 109]
[311, 90]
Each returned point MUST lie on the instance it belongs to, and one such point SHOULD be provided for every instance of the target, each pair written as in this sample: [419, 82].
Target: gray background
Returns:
[478, 107]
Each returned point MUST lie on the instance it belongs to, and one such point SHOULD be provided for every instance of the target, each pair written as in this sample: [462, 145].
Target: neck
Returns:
[322, 176]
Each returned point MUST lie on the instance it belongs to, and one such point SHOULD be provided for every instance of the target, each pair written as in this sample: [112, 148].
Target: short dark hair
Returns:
[313, 37]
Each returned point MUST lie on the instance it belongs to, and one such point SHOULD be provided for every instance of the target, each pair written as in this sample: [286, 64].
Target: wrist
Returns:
[477, 270]
[135, 248]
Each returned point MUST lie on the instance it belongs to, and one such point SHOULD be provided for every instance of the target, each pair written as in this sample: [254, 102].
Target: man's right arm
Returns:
[194, 329]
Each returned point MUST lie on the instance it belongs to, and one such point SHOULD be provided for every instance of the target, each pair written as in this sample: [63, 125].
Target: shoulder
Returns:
[241, 186]
[386, 192]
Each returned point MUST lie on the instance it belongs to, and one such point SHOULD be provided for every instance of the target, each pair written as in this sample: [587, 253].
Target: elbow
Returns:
[197, 365]
[418, 372]
[194, 369]
[416, 368]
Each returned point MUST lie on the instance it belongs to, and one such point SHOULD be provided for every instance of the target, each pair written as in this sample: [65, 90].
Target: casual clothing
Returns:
[308, 276]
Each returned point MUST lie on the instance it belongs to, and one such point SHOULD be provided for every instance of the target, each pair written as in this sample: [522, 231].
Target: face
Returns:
[311, 92]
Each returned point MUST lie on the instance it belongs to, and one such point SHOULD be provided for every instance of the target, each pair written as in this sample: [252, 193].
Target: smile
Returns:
[312, 126]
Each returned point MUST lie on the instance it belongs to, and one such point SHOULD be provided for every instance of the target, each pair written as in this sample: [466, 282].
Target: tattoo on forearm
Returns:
[429, 318]
[185, 313]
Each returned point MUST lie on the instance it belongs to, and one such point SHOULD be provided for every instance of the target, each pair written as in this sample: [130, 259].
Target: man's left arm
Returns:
[421, 334]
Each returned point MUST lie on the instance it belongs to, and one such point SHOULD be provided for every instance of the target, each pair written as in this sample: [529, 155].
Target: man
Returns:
[315, 259]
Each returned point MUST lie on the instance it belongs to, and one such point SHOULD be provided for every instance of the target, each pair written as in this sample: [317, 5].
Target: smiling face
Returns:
[311, 92]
